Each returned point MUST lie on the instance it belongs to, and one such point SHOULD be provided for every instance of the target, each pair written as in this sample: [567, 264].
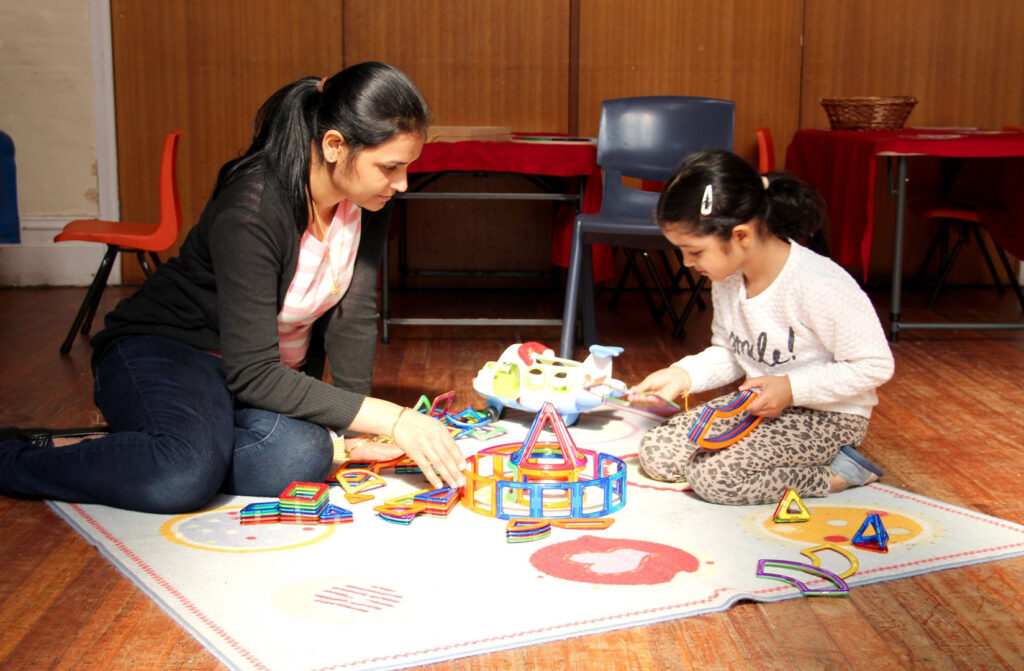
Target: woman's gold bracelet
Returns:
[395, 425]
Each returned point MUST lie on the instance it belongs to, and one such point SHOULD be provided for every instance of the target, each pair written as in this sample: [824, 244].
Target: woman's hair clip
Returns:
[706, 201]
[764, 181]
[320, 86]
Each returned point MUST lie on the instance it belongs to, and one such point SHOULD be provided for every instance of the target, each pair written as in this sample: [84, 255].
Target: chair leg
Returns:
[620, 285]
[988, 258]
[645, 290]
[572, 291]
[694, 285]
[587, 303]
[87, 310]
[948, 266]
[144, 262]
[675, 278]
[94, 304]
[666, 299]
[679, 331]
[1014, 283]
[940, 244]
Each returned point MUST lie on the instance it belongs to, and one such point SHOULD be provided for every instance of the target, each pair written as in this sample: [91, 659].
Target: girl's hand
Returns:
[427, 442]
[773, 395]
[669, 383]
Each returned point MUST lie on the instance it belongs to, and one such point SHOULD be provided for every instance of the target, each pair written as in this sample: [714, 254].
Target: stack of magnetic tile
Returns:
[333, 514]
[439, 502]
[261, 512]
[525, 530]
[398, 512]
[302, 502]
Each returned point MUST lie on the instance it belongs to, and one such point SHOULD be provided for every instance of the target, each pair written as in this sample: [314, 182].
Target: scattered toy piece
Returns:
[299, 503]
[785, 513]
[355, 481]
[525, 530]
[812, 554]
[699, 432]
[840, 588]
[879, 541]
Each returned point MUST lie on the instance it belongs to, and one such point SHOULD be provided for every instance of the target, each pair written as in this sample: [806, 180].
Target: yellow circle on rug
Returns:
[219, 530]
[839, 524]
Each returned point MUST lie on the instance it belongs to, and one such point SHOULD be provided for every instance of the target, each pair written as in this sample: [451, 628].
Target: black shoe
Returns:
[41, 437]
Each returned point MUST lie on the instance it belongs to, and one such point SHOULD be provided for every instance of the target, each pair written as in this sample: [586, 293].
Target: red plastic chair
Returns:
[765, 150]
[965, 218]
[124, 236]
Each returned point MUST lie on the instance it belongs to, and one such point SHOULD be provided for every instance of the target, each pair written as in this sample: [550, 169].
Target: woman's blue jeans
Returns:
[178, 438]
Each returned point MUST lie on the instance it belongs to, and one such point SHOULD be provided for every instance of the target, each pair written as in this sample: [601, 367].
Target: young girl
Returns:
[791, 322]
[210, 376]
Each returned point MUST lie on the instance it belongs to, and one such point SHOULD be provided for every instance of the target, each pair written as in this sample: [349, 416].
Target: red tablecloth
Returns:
[841, 166]
[552, 159]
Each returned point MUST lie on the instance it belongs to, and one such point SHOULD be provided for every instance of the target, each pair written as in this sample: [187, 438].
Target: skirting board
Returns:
[39, 261]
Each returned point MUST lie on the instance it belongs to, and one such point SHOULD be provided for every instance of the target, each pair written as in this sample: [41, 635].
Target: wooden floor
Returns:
[950, 425]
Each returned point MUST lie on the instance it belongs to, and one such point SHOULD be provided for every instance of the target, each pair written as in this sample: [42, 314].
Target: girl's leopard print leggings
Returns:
[792, 450]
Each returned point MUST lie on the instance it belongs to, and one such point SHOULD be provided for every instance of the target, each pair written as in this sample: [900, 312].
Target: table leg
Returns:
[572, 289]
[897, 248]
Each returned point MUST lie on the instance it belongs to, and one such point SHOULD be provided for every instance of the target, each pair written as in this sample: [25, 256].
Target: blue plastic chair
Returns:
[646, 138]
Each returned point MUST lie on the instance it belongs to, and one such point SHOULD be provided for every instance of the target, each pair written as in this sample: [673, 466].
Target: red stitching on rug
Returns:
[528, 632]
[188, 605]
[993, 521]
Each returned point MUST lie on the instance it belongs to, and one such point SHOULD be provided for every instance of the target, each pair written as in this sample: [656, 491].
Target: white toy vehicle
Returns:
[528, 375]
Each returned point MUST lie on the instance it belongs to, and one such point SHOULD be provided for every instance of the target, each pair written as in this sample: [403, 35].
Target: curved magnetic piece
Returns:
[812, 554]
[698, 433]
[840, 589]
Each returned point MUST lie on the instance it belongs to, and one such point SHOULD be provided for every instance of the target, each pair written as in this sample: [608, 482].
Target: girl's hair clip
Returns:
[706, 201]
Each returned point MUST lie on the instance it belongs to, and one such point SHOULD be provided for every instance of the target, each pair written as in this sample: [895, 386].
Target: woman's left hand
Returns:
[773, 395]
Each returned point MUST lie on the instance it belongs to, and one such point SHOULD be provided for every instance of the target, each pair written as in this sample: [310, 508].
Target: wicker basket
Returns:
[868, 113]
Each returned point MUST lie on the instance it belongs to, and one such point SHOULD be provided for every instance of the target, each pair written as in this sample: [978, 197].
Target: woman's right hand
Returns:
[427, 442]
[669, 383]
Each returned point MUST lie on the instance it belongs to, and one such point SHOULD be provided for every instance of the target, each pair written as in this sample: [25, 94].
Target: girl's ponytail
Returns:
[714, 190]
[793, 211]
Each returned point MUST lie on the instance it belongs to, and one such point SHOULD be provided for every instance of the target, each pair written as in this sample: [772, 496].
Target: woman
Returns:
[210, 375]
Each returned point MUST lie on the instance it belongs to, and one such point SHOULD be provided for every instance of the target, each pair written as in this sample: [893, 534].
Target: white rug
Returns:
[377, 595]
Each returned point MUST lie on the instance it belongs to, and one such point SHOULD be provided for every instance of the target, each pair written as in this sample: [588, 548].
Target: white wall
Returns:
[56, 104]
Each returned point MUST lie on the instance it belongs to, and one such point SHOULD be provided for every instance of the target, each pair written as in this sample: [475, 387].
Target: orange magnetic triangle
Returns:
[785, 513]
[571, 458]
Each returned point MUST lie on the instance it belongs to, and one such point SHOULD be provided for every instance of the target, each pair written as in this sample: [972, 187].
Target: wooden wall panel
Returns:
[204, 67]
[962, 59]
[743, 50]
[477, 62]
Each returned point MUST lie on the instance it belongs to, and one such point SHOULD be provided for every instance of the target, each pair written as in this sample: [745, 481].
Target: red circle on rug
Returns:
[613, 561]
